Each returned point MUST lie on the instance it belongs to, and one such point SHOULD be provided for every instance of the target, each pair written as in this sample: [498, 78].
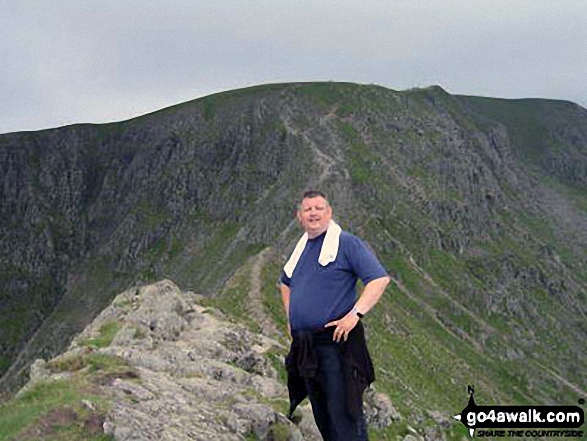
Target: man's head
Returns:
[314, 213]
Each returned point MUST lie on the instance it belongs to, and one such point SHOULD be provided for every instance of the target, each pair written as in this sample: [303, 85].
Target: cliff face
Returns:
[477, 207]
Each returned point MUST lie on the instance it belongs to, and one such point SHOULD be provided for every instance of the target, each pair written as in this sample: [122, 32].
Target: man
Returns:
[328, 359]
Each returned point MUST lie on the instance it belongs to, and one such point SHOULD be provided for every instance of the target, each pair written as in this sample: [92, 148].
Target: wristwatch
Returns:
[357, 313]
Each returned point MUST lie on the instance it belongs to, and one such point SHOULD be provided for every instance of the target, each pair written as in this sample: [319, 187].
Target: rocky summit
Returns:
[476, 206]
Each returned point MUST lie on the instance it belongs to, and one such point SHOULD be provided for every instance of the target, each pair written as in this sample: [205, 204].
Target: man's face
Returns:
[315, 215]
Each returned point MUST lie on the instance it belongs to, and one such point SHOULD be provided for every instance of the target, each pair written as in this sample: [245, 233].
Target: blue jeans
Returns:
[327, 395]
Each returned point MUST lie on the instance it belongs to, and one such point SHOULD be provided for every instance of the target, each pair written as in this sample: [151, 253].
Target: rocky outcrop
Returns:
[198, 376]
[191, 373]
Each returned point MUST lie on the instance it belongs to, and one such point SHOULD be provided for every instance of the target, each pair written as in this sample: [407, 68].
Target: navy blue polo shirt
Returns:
[320, 294]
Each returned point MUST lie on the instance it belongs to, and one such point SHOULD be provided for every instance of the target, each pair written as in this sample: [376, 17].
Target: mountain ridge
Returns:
[453, 193]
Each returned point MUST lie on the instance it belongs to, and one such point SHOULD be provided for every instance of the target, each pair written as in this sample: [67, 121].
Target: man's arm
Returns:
[371, 294]
[285, 292]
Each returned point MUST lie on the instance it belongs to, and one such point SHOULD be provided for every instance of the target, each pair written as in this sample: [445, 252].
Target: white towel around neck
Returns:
[327, 253]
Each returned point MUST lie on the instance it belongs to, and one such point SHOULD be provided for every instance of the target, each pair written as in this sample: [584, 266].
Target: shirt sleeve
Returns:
[363, 262]
[284, 279]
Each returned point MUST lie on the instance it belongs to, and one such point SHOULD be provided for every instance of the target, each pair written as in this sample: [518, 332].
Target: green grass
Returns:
[5, 363]
[19, 316]
[234, 299]
[123, 303]
[328, 94]
[361, 159]
[277, 361]
[210, 261]
[93, 361]
[429, 366]
[211, 104]
[271, 295]
[140, 333]
[14, 323]
[177, 246]
[150, 215]
[208, 105]
[524, 120]
[107, 333]
[418, 362]
[43, 397]
[279, 432]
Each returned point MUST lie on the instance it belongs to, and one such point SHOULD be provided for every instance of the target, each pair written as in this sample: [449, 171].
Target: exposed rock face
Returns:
[82, 206]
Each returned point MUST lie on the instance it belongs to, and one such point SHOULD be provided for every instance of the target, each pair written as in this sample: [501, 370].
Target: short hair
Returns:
[313, 194]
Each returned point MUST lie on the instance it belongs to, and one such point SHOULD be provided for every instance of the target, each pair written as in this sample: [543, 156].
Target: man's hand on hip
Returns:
[343, 326]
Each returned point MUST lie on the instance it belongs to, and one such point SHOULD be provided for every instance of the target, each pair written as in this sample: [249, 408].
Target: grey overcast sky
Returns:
[69, 61]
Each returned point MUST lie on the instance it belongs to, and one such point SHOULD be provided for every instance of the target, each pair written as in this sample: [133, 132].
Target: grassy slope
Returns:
[72, 408]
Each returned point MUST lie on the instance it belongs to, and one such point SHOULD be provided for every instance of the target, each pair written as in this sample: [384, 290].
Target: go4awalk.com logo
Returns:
[522, 421]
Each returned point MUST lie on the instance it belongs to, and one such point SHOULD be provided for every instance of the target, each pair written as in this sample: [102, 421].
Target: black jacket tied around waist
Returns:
[301, 363]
